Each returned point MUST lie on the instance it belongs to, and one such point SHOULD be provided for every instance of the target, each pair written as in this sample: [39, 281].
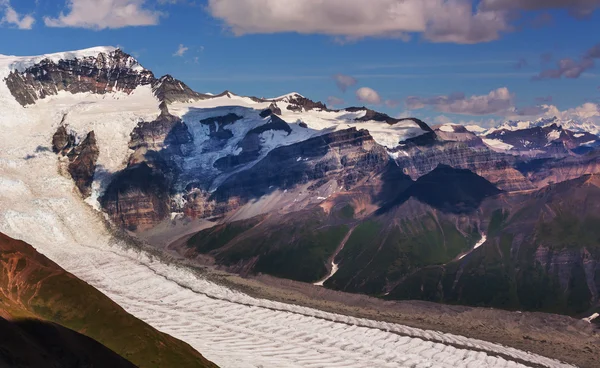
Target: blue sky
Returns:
[457, 60]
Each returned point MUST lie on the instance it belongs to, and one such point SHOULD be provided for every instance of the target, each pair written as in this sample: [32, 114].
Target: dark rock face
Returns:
[273, 109]
[82, 157]
[299, 103]
[347, 156]
[169, 90]
[138, 197]
[547, 171]
[495, 167]
[166, 131]
[102, 74]
[82, 166]
[62, 141]
[452, 190]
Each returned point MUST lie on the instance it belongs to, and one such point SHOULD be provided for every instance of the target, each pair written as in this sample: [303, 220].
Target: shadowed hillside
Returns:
[53, 302]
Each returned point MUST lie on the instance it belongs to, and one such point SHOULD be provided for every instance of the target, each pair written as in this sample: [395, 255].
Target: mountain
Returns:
[541, 141]
[582, 126]
[134, 182]
[285, 185]
[51, 318]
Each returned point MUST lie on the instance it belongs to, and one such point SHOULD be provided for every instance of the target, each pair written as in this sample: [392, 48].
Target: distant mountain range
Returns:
[288, 187]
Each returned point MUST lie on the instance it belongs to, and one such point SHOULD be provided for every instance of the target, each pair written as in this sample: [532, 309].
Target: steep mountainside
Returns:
[50, 316]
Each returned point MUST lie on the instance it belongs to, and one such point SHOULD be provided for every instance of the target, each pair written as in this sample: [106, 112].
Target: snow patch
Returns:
[497, 144]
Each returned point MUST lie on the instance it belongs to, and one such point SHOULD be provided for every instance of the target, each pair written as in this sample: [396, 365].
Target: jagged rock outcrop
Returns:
[62, 141]
[82, 163]
[300, 103]
[107, 72]
[81, 157]
[169, 90]
[273, 109]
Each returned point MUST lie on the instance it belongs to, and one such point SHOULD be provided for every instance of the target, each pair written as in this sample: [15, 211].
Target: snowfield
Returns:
[232, 329]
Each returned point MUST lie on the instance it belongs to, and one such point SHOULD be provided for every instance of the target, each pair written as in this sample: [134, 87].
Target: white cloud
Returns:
[181, 50]
[499, 101]
[334, 101]
[437, 20]
[587, 111]
[570, 68]
[344, 81]
[104, 14]
[11, 17]
[368, 95]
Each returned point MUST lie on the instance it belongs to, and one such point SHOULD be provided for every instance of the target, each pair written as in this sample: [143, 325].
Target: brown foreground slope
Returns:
[38, 300]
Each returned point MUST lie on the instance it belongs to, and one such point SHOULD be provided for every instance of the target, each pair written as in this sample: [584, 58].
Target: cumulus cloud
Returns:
[588, 111]
[571, 68]
[576, 7]
[334, 101]
[568, 68]
[437, 20]
[368, 95]
[10, 16]
[344, 81]
[104, 14]
[181, 50]
[498, 101]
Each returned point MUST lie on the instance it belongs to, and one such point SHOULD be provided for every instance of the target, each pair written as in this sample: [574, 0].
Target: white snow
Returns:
[448, 128]
[580, 125]
[479, 244]
[578, 135]
[497, 144]
[43, 208]
[591, 318]
[318, 121]
[20, 63]
[553, 135]
[334, 268]
[475, 129]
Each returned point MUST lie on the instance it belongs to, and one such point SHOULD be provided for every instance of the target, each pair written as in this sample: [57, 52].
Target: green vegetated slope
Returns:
[34, 288]
[541, 253]
[295, 247]
[382, 251]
